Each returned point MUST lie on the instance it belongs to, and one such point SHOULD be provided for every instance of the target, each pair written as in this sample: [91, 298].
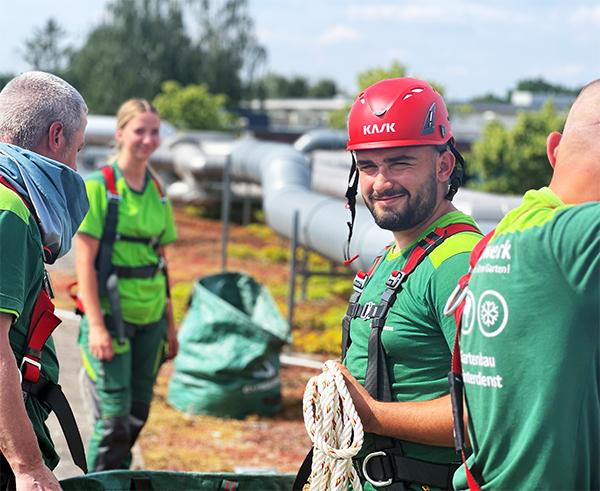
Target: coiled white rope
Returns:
[335, 429]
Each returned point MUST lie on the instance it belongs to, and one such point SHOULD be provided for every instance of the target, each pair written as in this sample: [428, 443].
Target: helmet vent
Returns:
[412, 92]
[428, 126]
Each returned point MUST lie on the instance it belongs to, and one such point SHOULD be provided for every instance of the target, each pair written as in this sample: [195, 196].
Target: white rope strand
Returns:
[335, 429]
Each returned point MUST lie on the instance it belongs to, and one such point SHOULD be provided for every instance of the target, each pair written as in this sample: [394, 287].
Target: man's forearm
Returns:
[18, 442]
[426, 422]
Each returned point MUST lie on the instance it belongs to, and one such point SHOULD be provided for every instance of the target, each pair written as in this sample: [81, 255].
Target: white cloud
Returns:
[339, 34]
[585, 16]
[458, 11]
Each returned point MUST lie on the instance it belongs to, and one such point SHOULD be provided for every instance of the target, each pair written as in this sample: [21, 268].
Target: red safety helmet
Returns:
[398, 112]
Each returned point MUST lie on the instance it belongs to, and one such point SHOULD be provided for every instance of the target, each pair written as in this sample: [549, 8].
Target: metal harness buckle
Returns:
[395, 279]
[31, 361]
[374, 483]
[113, 197]
[367, 309]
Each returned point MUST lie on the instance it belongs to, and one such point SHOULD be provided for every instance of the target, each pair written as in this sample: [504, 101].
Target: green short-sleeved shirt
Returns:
[21, 273]
[141, 214]
[417, 337]
[530, 349]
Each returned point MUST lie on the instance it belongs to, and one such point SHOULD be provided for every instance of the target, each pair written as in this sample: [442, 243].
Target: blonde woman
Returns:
[128, 326]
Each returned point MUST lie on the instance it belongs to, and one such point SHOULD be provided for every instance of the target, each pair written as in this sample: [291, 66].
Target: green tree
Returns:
[145, 42]
[142, 43]
[513, 161]
[374, 75]
[44, 50]
[275, 86]
[541, 85]
[322, 89]
[230, 50]
[193, 107]
[298, 87]
[488, 97]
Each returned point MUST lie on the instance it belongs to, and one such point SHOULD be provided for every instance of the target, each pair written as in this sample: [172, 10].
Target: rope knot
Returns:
[335, 429]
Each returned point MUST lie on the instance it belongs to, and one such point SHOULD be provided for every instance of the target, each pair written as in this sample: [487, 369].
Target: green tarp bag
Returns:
[229, 346]
[172, 481]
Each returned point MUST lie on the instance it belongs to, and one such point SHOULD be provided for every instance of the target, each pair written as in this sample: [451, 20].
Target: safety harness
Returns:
[387, 466]
[456, 305]
[107, 272]
[33, 383]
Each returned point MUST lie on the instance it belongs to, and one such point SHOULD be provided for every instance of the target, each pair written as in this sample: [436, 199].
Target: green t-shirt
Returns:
[530, 349]
[417, 337]
[21, 273]
[141, 214]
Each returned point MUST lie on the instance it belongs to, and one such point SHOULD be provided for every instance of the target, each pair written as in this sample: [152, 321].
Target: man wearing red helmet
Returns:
[397, 342]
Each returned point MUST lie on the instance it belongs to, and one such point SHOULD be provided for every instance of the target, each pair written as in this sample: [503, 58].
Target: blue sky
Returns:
[468, 46]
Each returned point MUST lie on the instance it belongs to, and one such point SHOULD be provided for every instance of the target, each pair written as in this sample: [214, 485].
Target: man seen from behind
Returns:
[42, 202]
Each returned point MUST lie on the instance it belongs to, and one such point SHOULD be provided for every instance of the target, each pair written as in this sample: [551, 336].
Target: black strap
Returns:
[52, 396]
[351, 203]
[104, 257]
[405, 469]
[153, 242]
[377, 378]
[353, 307]
[304, 472]
[148, 271]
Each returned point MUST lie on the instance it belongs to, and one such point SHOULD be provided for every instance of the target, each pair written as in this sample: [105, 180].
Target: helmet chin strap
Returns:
[458, 174]
[351, 205]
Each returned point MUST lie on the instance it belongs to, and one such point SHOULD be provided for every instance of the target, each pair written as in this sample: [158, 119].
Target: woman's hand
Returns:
[172, 342]
[100, 342]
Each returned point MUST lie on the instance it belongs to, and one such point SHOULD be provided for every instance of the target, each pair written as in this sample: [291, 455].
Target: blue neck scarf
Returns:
[55, 192]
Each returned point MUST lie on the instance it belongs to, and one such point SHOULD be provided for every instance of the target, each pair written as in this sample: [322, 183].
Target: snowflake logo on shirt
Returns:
[489, 313]
[492, 313]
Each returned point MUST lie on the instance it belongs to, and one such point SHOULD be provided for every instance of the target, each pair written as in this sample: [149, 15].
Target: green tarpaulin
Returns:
[230, 340]
[173, 481]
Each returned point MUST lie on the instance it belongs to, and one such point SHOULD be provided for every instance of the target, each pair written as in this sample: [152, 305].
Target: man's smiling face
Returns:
[399, 185]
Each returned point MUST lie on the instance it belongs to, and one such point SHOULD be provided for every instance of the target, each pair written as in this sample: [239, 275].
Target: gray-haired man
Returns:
[42, 202]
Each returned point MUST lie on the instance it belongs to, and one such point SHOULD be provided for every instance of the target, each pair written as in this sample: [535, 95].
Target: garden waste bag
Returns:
[168, 481]
[229, 345]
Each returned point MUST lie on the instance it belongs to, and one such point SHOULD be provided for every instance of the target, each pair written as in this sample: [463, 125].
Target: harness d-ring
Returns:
[377, 484]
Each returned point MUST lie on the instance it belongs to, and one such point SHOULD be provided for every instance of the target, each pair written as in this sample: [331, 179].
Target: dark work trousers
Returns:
[121, 392]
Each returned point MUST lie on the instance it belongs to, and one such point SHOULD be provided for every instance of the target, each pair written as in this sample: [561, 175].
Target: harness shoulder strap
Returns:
[358, 284]
[377, 380]
[456, 305]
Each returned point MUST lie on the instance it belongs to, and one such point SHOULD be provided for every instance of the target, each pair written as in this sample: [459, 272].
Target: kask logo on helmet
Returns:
[376, 129]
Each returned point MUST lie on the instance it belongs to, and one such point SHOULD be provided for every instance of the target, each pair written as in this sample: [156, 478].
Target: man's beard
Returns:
[418, 206]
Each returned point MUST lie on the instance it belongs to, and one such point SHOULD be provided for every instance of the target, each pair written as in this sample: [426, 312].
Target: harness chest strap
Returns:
[456, 305]
[377, 377]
